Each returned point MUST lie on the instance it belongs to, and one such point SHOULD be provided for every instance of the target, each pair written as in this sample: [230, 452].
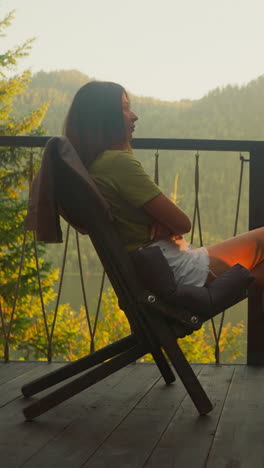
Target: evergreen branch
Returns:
[10, 57]
[9, 88]
[28, 123]
[6, 22]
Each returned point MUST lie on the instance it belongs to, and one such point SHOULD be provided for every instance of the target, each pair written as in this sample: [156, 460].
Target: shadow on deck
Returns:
[132, 419]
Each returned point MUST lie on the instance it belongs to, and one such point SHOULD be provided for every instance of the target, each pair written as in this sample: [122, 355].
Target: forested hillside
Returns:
[230, 113]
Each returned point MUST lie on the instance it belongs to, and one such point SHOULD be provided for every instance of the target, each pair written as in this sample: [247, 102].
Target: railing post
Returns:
[255, 343]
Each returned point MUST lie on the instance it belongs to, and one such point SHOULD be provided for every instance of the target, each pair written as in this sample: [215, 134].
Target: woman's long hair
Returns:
[95, 119]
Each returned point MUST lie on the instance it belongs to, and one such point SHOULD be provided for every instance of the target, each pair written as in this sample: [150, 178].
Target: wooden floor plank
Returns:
[29, 437]
[11, 389]
[186, 441]
[132, 442]
[132, 420]
[86, 433]
[239, 440]
[13, 369]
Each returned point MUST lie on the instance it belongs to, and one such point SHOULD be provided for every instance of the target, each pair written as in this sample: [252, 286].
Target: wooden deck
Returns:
[133, 420]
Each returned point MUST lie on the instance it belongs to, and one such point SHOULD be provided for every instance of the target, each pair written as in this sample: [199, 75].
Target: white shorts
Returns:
[189, 266]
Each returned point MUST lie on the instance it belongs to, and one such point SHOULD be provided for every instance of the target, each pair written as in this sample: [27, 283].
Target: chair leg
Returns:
[163, 365]
[73, 368]
[188, 378]
[81, 383]
[181, 365]
[157, 353]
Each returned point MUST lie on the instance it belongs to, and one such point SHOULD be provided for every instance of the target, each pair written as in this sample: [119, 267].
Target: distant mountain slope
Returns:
[230, 113]
[57, 88]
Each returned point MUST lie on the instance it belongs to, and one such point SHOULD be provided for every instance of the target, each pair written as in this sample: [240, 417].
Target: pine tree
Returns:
[14, 174]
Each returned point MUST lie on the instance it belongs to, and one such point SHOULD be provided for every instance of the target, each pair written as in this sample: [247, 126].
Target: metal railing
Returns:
[255, 330]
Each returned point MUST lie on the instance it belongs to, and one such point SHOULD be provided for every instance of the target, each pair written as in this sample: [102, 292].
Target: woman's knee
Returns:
[258, 237]
[259, 233]
[246, 249]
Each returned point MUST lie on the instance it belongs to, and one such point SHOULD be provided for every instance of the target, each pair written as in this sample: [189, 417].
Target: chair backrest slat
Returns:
[82, 207]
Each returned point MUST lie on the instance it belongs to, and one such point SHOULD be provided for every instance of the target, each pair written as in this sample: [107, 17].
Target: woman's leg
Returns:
[246, 249]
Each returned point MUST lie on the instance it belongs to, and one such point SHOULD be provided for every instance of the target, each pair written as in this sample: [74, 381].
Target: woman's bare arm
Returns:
[163, 210]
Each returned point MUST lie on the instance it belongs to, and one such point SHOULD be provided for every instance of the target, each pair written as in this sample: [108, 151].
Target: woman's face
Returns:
[129, 117]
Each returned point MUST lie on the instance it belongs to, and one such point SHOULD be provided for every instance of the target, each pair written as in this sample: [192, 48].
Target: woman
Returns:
[100, 125]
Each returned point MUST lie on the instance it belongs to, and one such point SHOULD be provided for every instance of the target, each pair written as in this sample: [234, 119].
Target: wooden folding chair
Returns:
[151, 328]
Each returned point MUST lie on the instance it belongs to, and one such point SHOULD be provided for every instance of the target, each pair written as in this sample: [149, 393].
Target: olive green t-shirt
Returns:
[125, 185]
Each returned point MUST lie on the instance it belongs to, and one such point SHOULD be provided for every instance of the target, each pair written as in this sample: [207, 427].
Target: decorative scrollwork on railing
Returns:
[196, 212]
[156, 173]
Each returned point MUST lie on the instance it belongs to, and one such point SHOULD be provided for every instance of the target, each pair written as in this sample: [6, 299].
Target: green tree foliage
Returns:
[14, 174]
[59, 92]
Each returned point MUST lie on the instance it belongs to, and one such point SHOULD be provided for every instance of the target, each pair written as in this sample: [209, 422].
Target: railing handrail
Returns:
[152, 143]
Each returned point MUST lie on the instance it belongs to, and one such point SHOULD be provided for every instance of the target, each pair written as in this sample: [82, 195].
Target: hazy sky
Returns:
[168, 49]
